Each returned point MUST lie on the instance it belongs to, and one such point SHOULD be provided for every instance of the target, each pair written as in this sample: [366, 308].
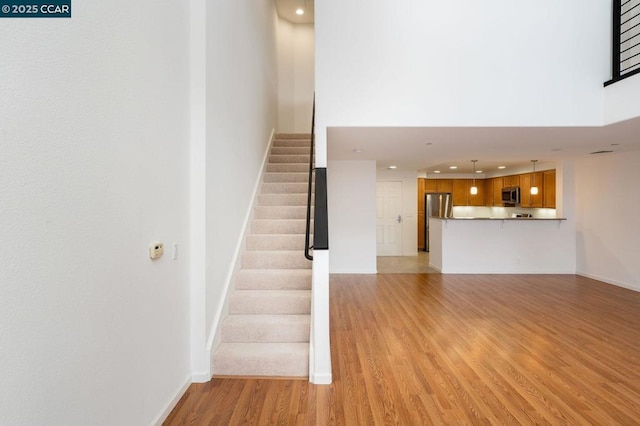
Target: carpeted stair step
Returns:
[282, 212]
[302, 159]
[292, 143]
[270, 302]
[262, 359]
[287, 177]
[273, 279]
[288, 167]
[285, 188]
[282, 199]
[277, 241]
[291, 150]
[286, 136]
[279, 226]
[275, 259]
[266, 328]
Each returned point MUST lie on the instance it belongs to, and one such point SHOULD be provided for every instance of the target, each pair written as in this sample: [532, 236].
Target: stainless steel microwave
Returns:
[511, 195]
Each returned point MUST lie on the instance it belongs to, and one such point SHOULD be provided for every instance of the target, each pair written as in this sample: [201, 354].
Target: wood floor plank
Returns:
[454, 349]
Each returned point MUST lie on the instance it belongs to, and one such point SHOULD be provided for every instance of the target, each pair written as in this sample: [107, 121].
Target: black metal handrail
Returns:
[307, 247]
[625, 40]
[320, 216]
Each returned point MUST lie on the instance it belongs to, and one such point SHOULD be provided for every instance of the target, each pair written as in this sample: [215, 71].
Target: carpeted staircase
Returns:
[267, 330]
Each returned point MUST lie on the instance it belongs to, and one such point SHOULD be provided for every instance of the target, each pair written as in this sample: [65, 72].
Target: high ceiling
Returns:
[287, 10]
[426, 149]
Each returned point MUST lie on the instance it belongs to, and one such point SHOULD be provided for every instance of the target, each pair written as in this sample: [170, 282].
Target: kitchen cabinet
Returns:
[478, 199]
[461, 193]
[549, 185]
[526, 182]
[493, 192]
[488, 192]
[513, 180]
[430, 185]
[444, 185]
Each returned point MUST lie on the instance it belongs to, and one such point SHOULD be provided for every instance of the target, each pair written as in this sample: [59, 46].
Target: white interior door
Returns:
[389, 218]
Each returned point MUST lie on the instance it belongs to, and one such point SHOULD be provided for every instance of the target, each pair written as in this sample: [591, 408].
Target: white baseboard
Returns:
[203, 377]
[174, 401]
[609, 281]
[321, 379]
[435, 268]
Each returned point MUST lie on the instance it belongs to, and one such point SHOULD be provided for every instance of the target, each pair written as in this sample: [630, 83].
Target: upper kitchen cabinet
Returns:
[429, 185]
[513, 180]
[493, 192]
[460, 192]
[444, 185]
[479, 198]
[462, 196]
[549, 185]
[528, 180]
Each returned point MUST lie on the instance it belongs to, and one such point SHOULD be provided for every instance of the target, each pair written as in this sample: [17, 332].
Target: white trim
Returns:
[201, 377]
[214, 337]
[198, 188]
[435, 268]
[321, 379]
[608, 281]
[172, 404]
[320, 336]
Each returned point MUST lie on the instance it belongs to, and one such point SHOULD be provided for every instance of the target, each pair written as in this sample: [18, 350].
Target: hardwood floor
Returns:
[425, 349]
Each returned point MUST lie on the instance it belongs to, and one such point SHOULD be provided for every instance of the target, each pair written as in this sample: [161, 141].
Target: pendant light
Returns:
[534, 188]
[474, 188]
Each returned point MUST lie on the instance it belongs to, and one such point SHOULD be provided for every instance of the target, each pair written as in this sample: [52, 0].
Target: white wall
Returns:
[608, 226]
[94, 165]
[296, 61]
[241, 112]
[409, 206]
[621, 100]
[351, 187]
[462, 63]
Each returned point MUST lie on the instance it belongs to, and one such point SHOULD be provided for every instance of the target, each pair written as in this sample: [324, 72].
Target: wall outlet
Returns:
[175, 251]
[156, 250]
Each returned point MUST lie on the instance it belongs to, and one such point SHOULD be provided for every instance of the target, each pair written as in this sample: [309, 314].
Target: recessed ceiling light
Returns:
[393, 167]
[615, 144]
[478, 171]
[436, 171]
[357, 150]
[556, 149]
[453, 167]
[502, 167]
[428, 143]
[299, 11]
[601, 152]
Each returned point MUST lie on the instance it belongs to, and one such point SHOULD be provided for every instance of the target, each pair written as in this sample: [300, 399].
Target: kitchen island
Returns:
[502, 245]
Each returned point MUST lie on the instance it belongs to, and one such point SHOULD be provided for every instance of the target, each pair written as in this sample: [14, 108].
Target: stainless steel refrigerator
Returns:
[436, 204]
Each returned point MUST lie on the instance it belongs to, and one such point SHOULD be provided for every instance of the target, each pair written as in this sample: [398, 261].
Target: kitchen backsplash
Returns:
[468, 211]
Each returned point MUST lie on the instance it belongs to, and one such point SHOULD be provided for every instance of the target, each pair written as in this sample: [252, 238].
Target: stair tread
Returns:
[262, 359]
[268, 346]
[266, 328]
[268, 318]
[274, 293]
